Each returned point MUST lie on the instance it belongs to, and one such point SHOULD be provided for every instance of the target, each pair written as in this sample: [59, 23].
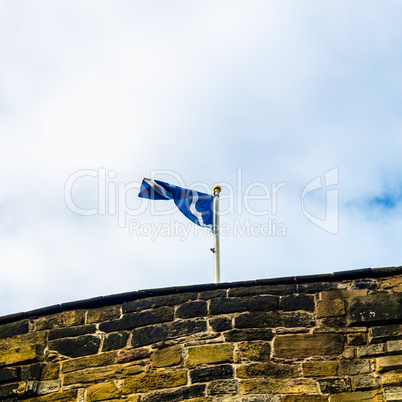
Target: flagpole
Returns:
[217, 190]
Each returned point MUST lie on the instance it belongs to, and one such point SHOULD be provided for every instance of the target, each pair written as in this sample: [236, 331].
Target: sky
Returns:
[293, 107]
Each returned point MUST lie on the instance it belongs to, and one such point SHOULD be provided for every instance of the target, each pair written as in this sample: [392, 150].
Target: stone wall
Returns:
[335, 337]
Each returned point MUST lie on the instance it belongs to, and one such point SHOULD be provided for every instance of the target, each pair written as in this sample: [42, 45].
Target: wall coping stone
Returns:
[102, 301]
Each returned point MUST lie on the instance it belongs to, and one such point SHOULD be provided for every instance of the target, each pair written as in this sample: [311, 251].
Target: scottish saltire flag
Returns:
[196, 206]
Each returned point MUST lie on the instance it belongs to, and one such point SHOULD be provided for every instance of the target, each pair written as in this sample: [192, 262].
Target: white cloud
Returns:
[285, 91]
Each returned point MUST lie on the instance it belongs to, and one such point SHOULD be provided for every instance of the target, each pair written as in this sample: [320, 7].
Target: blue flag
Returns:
[196, 206]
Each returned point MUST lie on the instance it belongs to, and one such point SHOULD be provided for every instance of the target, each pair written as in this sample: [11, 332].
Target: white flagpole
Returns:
[217, 190]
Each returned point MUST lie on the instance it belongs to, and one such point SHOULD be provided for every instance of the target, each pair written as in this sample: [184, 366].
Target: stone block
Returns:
[71, 332]
[313, 287]
[320, 368]
[275, 319]
[90, 375]
[270, 370]
[102, 391]
[22, 348]
[392, 378]
[222, 387]
[132, 369]
[330, 308]
[395, 346]
[206, 374]
[304, 398]
[181, 394]
[50, 371]
[394, 283]
[211, 294]
[103, 314]
[115, 341]
[170, 356]
[386, 363]
[234, 304]
[393, 394]
[141, 319]
[256, 334]
[61, 320]
[375, 309]
[342, 330]
[220, 323]
[297, 302]
[334, 385]
[158, 301]
[366, 381]
[308, 345]
[163, 332]
[332, 322]
[376, 349]
[365, 283]
[14, 328]
[48, 387]
[342, 293]
[192, 309]
[354, 366]
[279, 290]
[278, 386]
[295, 330]
[383, 333]
[152, 381]
[130, 355]
[356, 339]
[363, 396]
[349, 352]
[81, 363]
[210, 354]
[9, 374]
[254, 398]
[255, 350]
[30, 371]
[76, 347]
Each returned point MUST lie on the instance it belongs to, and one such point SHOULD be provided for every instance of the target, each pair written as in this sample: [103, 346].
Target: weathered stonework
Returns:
[22, 348]
[306, 345]
[326, 338]
[210, 354]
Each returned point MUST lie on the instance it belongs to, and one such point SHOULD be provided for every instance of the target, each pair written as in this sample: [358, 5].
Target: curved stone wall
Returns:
[335, 337]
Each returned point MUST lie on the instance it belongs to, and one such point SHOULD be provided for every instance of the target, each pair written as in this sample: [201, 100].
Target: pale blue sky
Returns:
[285, 91]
